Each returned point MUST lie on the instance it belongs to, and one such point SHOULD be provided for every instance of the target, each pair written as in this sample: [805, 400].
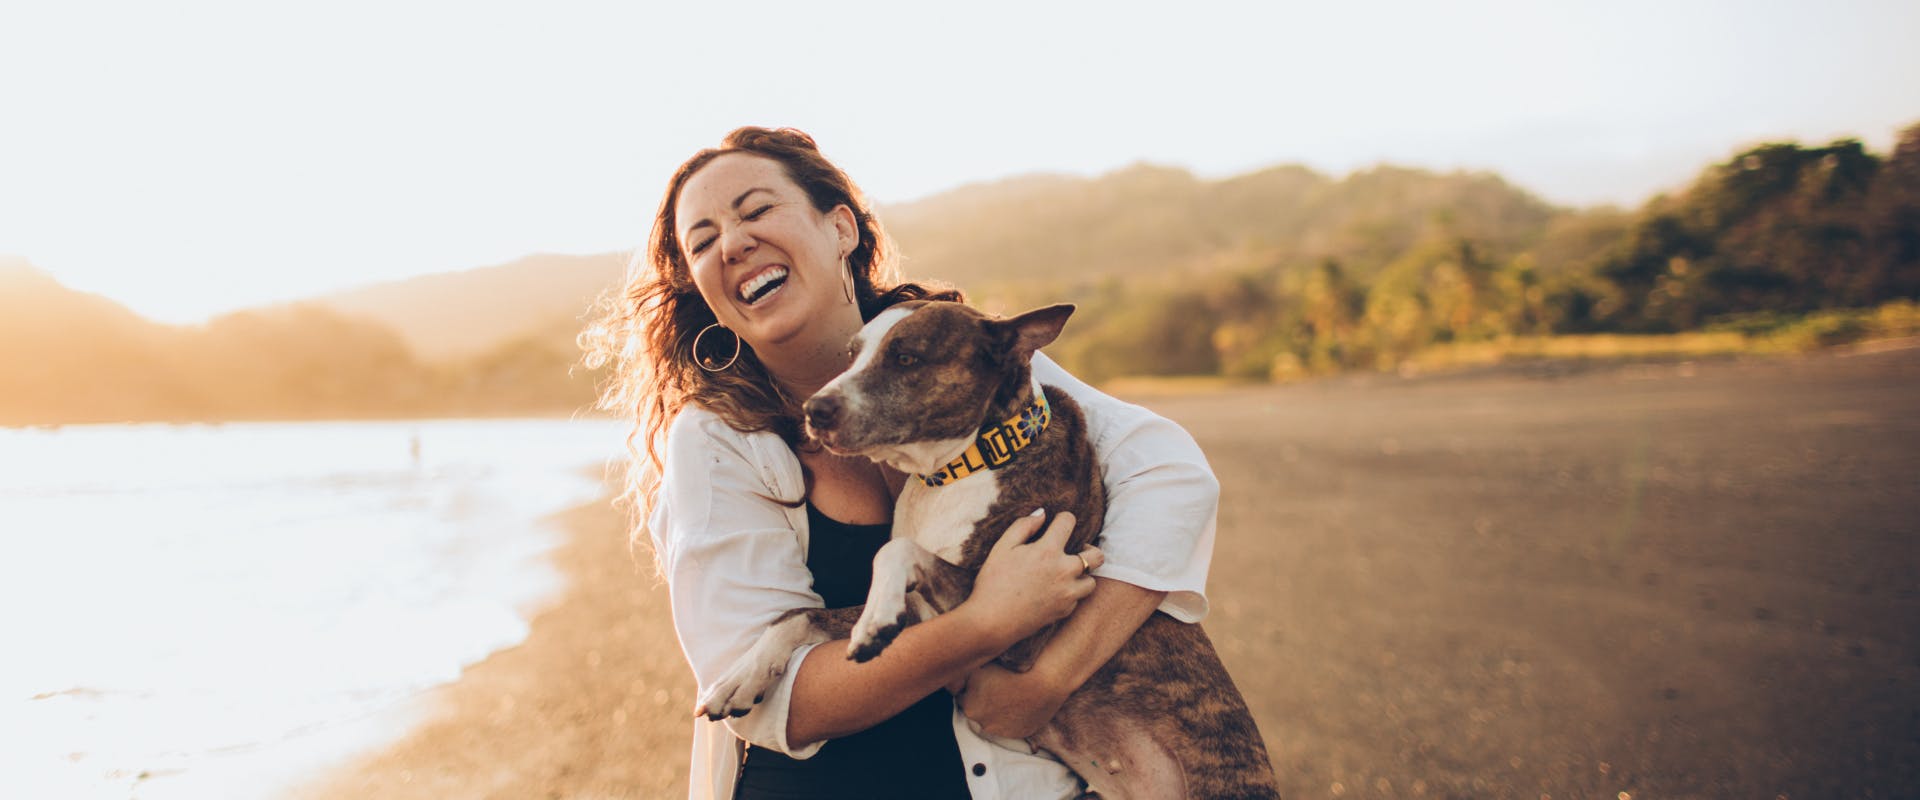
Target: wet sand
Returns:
[1683, 580]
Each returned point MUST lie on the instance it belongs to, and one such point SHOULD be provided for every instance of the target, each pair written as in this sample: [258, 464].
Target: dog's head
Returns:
[925, 375]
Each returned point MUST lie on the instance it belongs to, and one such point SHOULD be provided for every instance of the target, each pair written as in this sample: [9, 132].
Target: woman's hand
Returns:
[1018, 705]
[1024, 587]
[1014, 705]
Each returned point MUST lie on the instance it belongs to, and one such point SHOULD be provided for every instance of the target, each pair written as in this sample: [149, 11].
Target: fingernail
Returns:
[1038, 512]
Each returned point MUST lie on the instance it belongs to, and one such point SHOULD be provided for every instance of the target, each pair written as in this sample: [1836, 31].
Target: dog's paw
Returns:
[866, 649]
[879, 624]
[742, 688]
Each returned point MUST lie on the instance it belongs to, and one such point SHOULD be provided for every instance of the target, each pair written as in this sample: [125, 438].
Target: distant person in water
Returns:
[763, 262]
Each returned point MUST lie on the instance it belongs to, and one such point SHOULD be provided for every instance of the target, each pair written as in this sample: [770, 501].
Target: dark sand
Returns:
[1666, 581]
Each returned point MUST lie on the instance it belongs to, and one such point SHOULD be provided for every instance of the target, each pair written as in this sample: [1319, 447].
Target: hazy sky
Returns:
[188, 158]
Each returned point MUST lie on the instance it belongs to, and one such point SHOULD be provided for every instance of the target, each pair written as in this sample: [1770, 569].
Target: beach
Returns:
[1694, 579]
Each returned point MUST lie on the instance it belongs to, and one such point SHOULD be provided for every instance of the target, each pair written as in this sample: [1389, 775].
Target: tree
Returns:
[1892, 266]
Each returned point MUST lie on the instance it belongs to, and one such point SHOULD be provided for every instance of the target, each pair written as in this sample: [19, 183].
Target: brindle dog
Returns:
[1162, 719]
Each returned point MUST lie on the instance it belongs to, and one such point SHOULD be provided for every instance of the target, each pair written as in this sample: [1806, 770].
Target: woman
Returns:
[763, 262]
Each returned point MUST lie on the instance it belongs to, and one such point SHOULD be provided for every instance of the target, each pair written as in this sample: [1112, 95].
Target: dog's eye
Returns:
[906, 360]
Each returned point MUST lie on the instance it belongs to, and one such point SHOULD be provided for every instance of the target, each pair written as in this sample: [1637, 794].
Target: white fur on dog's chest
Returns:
[940, 518]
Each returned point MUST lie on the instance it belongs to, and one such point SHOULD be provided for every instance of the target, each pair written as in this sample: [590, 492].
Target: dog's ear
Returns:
[1033, 330]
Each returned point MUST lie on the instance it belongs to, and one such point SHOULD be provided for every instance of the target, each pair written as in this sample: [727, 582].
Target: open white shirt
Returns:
[735, 559]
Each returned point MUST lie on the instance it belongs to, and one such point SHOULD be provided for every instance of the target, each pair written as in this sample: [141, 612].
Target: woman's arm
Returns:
[730, 555]
[1020, 588]
[1016, 704]
[1162, 497]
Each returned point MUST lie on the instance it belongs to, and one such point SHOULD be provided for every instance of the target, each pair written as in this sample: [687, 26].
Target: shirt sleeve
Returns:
[1162, 498]
[733, 563]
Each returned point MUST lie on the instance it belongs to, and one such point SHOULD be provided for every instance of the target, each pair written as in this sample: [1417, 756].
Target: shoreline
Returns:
[594, 702]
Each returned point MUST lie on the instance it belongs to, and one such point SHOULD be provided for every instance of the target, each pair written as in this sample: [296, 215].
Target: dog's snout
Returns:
[823, 412]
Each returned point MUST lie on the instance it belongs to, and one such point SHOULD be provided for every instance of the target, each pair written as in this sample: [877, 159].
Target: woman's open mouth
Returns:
[763, 285]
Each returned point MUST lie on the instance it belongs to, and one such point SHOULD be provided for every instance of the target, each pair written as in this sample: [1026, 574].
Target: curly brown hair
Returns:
[647, 329]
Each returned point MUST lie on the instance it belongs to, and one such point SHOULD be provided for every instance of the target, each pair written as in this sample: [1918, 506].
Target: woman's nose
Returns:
[735, 244]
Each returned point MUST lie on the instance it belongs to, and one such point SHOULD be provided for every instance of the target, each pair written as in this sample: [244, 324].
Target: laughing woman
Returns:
[763, 262]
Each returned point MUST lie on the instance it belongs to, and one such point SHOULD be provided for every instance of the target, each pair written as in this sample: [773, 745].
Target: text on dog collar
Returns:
[995, 446]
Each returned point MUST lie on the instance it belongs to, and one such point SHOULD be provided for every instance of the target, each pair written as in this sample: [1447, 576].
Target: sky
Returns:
[192, 158]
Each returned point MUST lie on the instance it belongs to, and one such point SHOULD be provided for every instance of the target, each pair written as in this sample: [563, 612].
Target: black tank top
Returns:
[912, 755]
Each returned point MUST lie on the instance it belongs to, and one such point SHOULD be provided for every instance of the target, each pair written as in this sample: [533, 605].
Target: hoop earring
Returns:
[849, 283]
[704, 362]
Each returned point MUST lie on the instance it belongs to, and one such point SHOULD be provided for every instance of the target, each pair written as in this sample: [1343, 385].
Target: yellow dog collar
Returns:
[995, 446]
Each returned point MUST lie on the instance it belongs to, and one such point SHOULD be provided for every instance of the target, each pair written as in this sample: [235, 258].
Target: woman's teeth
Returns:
[763, 284]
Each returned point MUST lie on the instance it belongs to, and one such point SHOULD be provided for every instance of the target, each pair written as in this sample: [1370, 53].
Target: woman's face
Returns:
[763, 258]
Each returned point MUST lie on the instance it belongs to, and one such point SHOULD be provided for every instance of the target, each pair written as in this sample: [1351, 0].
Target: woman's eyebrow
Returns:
[743, 195]
[708, 223]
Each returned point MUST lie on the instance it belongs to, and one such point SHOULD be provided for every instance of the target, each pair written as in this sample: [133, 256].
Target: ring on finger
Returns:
[1085, 568]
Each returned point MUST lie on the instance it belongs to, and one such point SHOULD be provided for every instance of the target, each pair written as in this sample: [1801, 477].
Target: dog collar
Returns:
[995, 446]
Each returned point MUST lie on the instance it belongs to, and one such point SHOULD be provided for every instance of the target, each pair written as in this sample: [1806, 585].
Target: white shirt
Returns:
[735, 559]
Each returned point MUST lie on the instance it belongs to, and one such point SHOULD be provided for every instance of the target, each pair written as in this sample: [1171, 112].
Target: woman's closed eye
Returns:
[703, 244]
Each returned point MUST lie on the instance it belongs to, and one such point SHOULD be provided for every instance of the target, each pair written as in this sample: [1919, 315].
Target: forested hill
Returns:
[1779, 237]
[1782, 246]
[1147, 221]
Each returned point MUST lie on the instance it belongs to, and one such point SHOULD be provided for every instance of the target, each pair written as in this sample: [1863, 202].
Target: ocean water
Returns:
[228, 610]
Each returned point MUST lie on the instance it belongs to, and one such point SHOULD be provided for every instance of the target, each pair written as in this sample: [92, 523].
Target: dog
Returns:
[929, 380]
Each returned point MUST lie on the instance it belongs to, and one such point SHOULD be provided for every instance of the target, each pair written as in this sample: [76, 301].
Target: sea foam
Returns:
[222, 610]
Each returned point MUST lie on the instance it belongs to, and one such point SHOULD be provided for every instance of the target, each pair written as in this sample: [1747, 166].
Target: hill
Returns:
[1035, 234]
[68, 357]
[457, 315]
[1149, 220]
[1781, 246]
[77, 351]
